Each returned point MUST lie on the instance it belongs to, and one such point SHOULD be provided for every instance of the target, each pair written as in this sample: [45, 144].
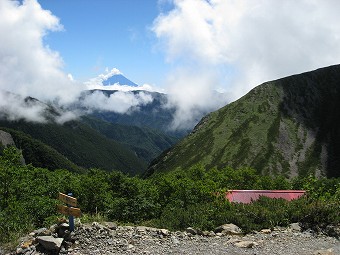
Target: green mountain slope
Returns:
[39, 154]
[81, 145]
[290, 126]
[145, 142]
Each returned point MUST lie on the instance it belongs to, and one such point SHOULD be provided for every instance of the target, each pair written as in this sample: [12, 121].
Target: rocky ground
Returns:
[108, 238]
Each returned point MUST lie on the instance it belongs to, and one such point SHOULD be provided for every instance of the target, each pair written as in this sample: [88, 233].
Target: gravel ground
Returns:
[140, 240]
[93, 239]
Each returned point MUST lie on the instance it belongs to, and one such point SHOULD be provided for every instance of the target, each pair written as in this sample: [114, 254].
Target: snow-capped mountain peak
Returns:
[110, 78]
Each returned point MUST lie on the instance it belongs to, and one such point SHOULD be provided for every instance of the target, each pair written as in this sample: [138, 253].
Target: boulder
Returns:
[229, 229]
[50, 243]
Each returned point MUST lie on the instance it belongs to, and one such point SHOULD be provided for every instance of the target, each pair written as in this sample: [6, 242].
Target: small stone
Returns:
[53, 228]
[27, 244]
[266, 231]
[19, 251]
[110, 225]
[97, 225]
[245, 244]
[175, 240]
[164, 232]
[295, 227]
[324, 252]
[233, 241]
[42, 232]
[206, 233]
[191, 231]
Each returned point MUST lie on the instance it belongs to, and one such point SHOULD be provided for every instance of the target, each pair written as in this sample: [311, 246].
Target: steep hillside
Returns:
[39, 154]
[290, 126]
[80, 144]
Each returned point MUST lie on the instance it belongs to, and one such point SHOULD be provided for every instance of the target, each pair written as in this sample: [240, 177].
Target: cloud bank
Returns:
[119, 102]
[28, 67]
[236, 45]
[14, 107]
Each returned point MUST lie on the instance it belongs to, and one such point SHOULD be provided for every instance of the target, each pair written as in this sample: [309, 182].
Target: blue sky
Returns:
[187, 48]
[108, 33]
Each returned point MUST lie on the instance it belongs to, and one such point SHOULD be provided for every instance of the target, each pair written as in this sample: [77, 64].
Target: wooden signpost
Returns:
[72, 201]
[70, 209]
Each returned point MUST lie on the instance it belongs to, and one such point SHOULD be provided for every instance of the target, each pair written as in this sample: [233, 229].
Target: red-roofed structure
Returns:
[247, 196]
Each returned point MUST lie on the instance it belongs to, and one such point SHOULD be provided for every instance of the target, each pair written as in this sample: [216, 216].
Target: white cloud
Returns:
[192, 95]
[27, 65]
[119, 102]
[244, 43]
[108, 74]
[14, 107]
[126, 88]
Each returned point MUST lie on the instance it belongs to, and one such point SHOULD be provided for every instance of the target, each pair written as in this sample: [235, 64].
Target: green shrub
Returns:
[175, 200]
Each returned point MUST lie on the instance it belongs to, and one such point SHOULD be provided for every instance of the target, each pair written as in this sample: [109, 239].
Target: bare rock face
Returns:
[6, 139]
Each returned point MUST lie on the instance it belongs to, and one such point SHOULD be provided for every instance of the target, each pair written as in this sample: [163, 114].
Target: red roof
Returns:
[247, 196]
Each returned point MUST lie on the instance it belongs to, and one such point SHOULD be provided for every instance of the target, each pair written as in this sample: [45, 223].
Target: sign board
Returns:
[72, 201]
[69, 210]
[247, 196]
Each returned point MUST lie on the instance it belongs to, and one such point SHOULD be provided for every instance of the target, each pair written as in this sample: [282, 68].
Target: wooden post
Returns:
[70, 209]
[70, 217]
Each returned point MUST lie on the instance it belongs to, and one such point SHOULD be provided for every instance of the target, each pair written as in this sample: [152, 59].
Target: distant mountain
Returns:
[119, 79]
[112, 77]
[290, 126]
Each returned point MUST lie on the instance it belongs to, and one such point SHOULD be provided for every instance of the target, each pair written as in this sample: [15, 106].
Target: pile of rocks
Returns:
[108, 238]
[47, 241]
